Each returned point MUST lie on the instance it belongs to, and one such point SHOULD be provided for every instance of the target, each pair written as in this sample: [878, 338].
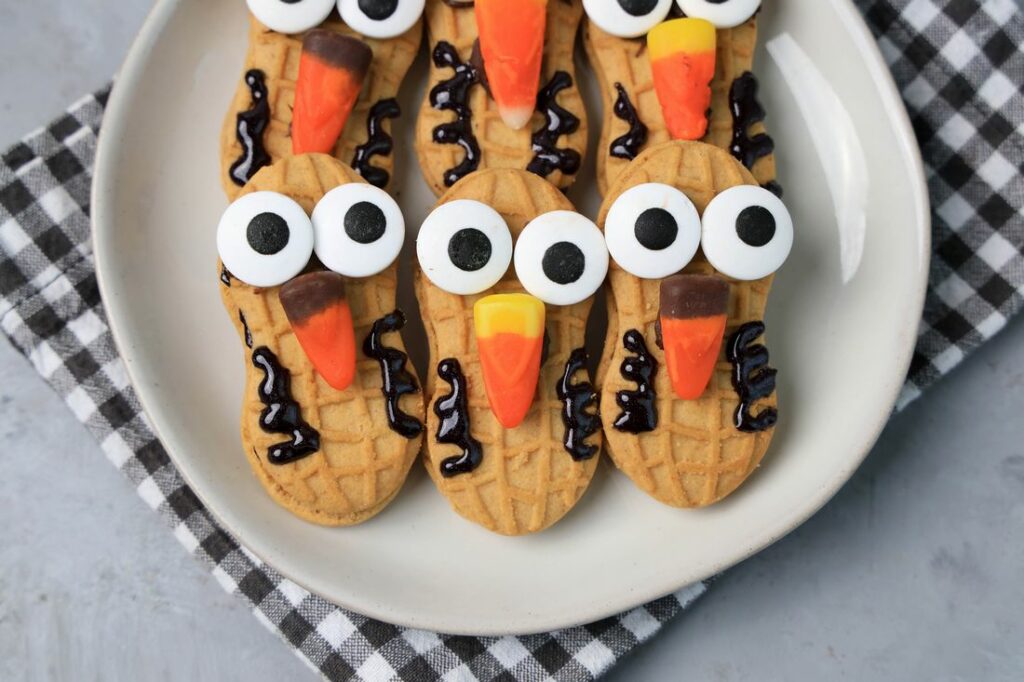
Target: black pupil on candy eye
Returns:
[656, 229]
[755, 225]
[469, 249]
[638, 8]
[365, 222]
[378, 10]
[267, 234]
[563, 263]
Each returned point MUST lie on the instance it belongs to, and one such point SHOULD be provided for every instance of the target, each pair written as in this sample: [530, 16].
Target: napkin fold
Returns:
[960, 68]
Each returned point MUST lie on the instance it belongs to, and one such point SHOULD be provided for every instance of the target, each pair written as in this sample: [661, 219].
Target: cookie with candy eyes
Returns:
[502, 91]
[680, 73]
[506, 276]
[320, 76]
[687, 394]
[332, 413]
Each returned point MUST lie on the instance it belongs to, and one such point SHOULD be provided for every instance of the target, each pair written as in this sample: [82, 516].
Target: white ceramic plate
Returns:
[842, 323]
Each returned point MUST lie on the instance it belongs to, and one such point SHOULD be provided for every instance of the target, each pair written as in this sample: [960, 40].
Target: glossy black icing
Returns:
[245, 328]
[752, 378]
[249, 128]
[454, 428]
[282, 414]
[628, 146]
[577, 397]
[639, 407]
[378, 142]
[746, 111]
[453, 95]
[547, 155]
[396, 379]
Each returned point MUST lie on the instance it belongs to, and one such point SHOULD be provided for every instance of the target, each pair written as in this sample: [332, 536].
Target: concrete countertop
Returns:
[911, 572]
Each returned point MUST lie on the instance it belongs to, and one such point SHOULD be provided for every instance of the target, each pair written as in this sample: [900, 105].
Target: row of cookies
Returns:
[507, 270]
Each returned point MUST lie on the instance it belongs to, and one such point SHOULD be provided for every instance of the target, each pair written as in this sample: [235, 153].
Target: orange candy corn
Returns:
[510, 340]
[693, 318]
[512, 46]
[321, 319]
[331, 72]
[682, 54]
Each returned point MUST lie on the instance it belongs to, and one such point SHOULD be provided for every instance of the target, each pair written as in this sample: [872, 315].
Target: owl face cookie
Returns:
[320, 76]
[332, 416]
[677, 69]
[506, 275]
[687, 397]
[502, 91]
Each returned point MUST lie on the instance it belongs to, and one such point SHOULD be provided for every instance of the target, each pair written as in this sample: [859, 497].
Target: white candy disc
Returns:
[748, 233]
[561, 258]
[294, 16]
[380, 18]
[652, 230]
[721, 13]
[358, 230]
[264, 239]
[464, 247]
[627, 18]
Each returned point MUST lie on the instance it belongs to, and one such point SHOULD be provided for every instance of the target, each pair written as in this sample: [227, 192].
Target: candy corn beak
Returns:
[682, 54]
[331, 72]
[693, 316]
[510, 339]
[320, 316]
[512, 46]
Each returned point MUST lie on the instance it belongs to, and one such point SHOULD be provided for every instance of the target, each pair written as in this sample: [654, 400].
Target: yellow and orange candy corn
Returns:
[331, 72]
[510, 340]
[512, 47]
[682, 54]
[321, 319]
[693, 317]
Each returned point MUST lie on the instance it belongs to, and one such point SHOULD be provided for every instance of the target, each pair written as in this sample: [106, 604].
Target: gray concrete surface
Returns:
[912, 572]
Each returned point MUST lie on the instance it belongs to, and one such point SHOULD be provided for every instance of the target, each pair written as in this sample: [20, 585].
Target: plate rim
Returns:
[117, 114]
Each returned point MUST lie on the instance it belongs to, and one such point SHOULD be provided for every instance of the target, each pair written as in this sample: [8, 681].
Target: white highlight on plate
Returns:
[837, 143]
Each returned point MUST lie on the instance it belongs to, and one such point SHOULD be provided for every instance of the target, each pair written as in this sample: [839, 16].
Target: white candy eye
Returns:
[291, 16]
[652, 230]
[721, 13]
[264, 239]
[464, 247]
[380, 18]
[627, 18]
[748, 232]
[561, 258]
[358, 230]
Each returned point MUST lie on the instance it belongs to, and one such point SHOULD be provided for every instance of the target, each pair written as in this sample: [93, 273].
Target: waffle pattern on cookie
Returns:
[696, 456]
[621, 60]
[500, 146]
[526, 480]
[361, 463]
[277, 56]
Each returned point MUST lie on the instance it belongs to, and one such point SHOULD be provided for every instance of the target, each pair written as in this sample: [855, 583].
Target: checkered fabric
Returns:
[960, 67]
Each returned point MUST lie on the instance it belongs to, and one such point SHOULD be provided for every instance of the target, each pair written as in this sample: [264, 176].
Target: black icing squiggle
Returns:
[547, 155]
[752, 378]
[282, 414]
[396, 379]
[639, 409]
[746, 111]
[453, 411]
[245, 328]
[628, 146]
[577, 397]
[249, 128]
[378, 142]
[453, 95]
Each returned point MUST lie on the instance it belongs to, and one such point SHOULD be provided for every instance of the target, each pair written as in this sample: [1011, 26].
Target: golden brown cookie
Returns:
[460, 128]
[633, 119]
[693, 451]
[331, 456]
[261, 112]
[512, 451]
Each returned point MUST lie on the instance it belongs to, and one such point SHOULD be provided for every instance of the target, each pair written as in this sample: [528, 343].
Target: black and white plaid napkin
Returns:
[960, 67]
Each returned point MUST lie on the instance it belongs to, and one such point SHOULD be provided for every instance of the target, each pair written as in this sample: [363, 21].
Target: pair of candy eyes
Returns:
[634, 18]
[371, 18]
[465, 247]
[265, 238]
[654, 230]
